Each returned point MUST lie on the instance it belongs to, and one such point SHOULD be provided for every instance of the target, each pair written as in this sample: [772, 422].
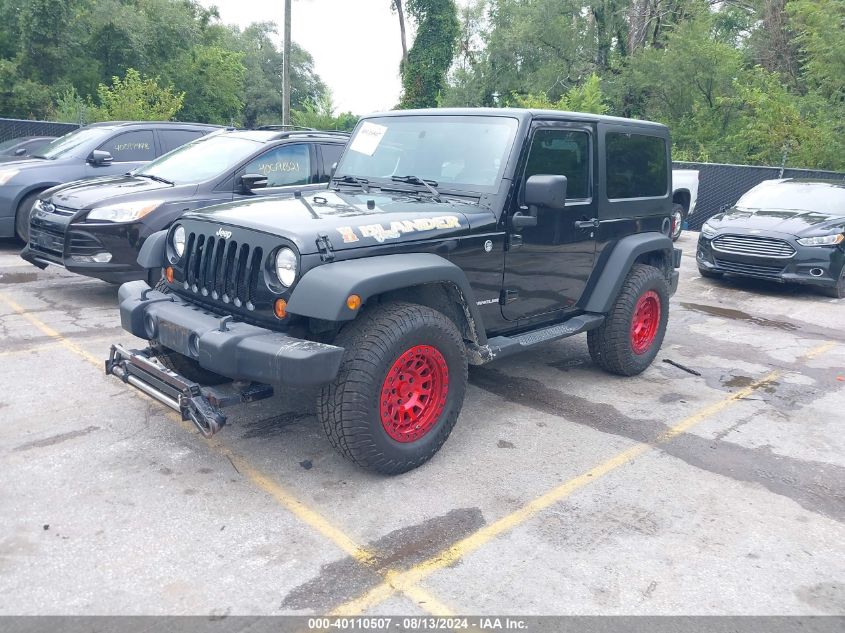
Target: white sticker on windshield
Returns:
[368, 138]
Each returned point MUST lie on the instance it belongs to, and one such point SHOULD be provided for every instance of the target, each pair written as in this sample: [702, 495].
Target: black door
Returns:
[288, 168]
[548, 265]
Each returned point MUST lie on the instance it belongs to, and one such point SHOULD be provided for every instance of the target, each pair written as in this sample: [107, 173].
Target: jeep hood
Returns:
[349, 220]
[791, 222]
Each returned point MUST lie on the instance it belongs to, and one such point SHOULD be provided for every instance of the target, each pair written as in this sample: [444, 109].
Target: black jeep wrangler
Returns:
[446, 238]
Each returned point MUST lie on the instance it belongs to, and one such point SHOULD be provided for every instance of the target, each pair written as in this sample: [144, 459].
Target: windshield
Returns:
[456, 152]
[200, 160]
[795, 196]
[69, 142]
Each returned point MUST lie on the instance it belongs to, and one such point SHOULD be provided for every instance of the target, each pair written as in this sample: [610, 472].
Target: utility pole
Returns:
[286, 69]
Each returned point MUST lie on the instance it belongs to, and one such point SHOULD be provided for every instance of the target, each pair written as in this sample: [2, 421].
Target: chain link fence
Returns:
[16, 128]
[720, 186]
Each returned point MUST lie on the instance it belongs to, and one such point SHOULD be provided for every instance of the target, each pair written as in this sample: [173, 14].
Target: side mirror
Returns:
[546, 191]
[21, 151]
[98, 158]
[248, 182]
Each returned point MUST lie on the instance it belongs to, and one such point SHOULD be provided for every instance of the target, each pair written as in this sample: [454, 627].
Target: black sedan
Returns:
[790, 231]
[97, 227]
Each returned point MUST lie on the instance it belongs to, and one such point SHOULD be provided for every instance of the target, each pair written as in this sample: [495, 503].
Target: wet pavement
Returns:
[562, 490]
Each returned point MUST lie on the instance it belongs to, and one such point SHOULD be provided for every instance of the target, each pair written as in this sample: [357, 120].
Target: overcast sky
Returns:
[355, 44]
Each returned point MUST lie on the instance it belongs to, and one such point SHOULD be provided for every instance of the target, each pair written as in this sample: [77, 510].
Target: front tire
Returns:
[837, 291]
[399, 390]
[22, 216]
[629, 339]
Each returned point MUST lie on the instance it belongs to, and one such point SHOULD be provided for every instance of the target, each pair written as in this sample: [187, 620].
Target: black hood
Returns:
[349, 220]
[86, 194]
[790, 222]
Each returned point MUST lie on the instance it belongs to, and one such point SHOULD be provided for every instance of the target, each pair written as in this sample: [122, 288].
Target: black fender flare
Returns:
[622, 258]
[153, 251]
[321, 293]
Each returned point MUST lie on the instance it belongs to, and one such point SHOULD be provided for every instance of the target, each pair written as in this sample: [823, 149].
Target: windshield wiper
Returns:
[156, 178]
[416, 180]
[355, 180]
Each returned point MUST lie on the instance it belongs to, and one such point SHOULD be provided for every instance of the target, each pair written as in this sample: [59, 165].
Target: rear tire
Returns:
[22, 216]
[629, 339]
[399, 390]
[182, 365]
[679, 215]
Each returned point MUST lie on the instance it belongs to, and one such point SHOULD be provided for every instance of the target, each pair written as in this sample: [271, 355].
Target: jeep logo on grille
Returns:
[223, 234]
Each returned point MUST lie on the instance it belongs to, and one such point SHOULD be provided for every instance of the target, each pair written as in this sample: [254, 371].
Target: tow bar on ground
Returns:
[201, 405]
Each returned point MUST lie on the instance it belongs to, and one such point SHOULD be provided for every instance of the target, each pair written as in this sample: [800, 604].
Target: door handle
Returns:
[587, 224]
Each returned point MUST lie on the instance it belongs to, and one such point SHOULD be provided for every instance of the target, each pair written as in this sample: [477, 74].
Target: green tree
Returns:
[587, 97]
[320, 115]
[135, 98]
[212, 79]
[429, 59]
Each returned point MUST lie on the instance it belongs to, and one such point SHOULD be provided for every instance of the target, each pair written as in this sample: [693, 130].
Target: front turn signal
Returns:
[280, 308]
[353, 302]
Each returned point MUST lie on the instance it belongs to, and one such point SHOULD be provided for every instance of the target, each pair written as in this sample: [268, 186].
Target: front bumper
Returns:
[811, 265]
[239, 351]
[56, 240]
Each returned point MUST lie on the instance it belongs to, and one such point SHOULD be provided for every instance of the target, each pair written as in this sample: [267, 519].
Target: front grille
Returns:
[82, 243]
[44, 240]
[222, 270]
[752, 270]
[754, 246]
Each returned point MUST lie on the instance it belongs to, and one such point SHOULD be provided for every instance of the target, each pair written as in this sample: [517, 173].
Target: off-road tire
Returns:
[182, 365]
[22, 216]
[612, 345]
[837, 291]
[679, 215]
[709, 274]
[350, 408]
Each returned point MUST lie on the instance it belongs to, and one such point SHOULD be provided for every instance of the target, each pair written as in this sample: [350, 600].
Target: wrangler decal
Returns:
[380, 232]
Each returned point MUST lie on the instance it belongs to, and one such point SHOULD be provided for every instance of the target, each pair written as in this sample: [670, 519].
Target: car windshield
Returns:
[201, 159]
[456, 152]
[816, 197]
[66, 144]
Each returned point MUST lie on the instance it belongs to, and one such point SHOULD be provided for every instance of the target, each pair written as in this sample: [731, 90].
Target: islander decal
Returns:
[381, 232]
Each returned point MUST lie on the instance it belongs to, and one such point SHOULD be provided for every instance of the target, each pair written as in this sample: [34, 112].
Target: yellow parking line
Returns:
[299, 509]
[405, 581]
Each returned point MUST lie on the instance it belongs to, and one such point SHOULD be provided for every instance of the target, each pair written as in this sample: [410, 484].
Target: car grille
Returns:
[82, 243]
[222, 270]
[752, 270]
[754, 246]
[42, 239]
[57, 210]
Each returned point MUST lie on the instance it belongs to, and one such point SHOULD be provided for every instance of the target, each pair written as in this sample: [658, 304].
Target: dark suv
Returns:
[447, 238]
[100, 149]
[96, 227]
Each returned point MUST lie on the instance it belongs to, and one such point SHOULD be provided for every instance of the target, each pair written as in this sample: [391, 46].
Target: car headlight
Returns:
[179, 240]
[708, 230]
[7, 174]
[286, 266]
[125, 211]
[822, 240]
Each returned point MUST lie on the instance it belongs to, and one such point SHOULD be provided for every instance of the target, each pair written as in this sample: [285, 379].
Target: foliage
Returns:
[54, 54]
[135, 98]
[748, 81]
[424, 74]
[320, 115]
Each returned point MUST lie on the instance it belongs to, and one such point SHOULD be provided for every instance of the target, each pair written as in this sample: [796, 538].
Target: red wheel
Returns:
[414, 393]
[646, 322]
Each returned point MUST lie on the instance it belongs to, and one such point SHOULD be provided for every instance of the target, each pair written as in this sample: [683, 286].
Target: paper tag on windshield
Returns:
[368, 138]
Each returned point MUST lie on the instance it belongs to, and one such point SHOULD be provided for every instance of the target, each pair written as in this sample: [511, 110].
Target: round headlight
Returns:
[286, 266]
[179, 240]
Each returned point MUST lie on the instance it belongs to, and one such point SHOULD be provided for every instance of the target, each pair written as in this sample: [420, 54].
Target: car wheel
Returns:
[629, 339]
[678, 217]
[709, 274]
[399, 390]
[837, 291]
[22, 216]
[182, 365]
